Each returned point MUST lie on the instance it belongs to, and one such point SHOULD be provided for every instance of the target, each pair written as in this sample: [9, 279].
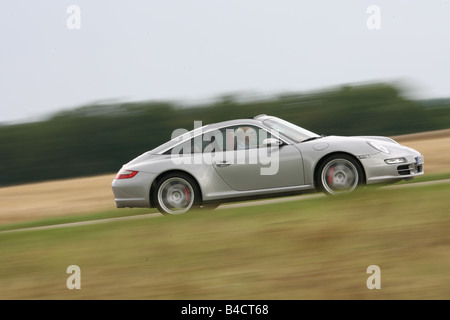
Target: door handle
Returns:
[222, 164]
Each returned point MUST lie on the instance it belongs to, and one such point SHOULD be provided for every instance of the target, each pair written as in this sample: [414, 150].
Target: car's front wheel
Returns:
[339, 174]
[175, 194]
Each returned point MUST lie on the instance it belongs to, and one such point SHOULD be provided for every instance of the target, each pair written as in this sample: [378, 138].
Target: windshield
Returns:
[290, 130]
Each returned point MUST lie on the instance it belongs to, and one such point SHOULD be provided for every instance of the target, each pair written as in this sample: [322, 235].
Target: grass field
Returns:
[310, 249]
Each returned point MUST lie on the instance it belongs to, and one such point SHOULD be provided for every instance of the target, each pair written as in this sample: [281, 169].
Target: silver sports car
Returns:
[253, 158]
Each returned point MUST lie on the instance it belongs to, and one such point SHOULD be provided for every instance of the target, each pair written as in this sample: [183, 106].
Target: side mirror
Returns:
[272, 142]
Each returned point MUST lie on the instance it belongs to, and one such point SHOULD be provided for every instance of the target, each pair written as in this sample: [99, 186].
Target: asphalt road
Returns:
[224, 206]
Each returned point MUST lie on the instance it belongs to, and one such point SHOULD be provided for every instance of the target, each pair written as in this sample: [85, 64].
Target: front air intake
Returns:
[404, 170]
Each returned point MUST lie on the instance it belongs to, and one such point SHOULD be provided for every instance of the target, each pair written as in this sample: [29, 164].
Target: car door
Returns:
[245, 163]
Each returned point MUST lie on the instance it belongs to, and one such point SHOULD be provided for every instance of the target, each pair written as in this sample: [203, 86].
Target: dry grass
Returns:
[434, 145]
[56, 198]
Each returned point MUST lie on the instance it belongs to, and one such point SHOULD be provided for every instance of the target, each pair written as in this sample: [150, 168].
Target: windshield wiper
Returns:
[313, 138]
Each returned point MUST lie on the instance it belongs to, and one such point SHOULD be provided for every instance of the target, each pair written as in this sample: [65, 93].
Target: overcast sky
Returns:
[198, 49]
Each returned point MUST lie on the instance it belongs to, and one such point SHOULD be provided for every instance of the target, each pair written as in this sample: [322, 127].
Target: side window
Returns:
[212, 141]
[244, 137]
[226, 139]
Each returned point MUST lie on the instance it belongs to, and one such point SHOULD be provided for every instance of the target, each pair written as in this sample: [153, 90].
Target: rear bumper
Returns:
[134, 192]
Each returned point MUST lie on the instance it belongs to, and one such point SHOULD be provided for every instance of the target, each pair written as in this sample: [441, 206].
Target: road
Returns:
[224, 206]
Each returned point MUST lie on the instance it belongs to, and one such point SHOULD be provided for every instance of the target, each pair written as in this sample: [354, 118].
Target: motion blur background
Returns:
[79, 102]
[86, 86]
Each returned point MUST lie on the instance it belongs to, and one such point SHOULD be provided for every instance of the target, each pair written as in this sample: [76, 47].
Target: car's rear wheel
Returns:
[176, 193]
[339, 174]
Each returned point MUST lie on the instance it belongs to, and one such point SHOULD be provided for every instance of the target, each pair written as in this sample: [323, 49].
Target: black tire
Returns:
[339, 174]
[176, 193]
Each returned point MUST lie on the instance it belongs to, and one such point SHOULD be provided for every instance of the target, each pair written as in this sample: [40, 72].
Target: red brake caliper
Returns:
[187, 195]
[330, 176]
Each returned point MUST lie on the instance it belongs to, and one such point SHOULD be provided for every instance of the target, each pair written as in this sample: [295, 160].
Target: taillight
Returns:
[126, 174]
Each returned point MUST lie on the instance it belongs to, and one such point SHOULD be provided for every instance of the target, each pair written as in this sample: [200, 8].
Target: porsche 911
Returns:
[259, 157]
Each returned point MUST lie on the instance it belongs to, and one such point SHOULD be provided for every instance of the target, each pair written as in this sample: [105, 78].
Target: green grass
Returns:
[76, 218]
[428, 177]
[310, 249]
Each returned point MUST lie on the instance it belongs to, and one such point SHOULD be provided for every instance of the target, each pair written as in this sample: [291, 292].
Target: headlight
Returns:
[395, 160]
[378, 146]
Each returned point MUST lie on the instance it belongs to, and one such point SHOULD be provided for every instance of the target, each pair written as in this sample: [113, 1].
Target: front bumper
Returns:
[378, 171]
